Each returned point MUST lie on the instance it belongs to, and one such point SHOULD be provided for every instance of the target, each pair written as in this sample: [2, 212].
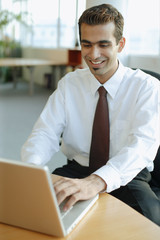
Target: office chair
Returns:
[154, 74]
[155, 182]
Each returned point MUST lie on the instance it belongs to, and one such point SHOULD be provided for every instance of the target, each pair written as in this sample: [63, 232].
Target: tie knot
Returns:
[102, 91]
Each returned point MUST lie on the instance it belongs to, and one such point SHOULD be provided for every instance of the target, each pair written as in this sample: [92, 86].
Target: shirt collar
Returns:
[94, 84]
[112, 84]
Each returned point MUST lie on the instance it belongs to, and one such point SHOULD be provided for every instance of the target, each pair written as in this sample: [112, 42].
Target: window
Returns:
[54, 22]
[10, 11]
[143, 27]
[44, 15]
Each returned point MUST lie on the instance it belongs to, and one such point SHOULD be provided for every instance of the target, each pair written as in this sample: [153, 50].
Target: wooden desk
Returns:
[30, 64]
[108, 219]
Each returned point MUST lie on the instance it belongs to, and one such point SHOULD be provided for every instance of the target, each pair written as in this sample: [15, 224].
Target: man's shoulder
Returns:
[78, 73]
[76, 81]
[141, 76]
[77, 77]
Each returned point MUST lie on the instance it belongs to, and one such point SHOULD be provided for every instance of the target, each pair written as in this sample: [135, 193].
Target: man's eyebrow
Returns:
[85, 41]
[105, 41]
[101, 41]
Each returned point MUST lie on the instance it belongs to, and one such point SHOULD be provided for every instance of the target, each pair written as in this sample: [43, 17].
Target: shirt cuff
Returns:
[110, 176]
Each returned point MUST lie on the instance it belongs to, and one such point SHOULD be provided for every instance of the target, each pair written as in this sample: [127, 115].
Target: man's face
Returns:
[99, 49]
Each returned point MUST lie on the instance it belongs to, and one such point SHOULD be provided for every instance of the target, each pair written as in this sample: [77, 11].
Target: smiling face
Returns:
[99, 49]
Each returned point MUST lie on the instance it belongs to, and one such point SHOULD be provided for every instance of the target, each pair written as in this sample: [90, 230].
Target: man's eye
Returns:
[104, 45]
[87, 45]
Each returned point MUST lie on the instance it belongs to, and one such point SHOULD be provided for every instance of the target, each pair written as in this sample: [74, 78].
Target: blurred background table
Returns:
[31, 64]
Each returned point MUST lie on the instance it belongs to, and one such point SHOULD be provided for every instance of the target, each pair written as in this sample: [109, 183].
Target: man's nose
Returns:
[94, 52]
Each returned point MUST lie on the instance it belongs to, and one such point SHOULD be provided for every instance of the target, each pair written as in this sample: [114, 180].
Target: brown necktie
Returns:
[99, 151]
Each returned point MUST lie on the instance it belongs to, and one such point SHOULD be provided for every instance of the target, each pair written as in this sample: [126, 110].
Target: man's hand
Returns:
[78, 189]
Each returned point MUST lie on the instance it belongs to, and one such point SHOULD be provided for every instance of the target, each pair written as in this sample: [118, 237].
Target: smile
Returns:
[97, 62]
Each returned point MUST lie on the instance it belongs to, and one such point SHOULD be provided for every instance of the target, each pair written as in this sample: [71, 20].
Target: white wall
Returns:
[46, 53]
[145, 62]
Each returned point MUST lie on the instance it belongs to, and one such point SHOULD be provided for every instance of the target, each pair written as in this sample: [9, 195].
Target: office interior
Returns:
[19, 110]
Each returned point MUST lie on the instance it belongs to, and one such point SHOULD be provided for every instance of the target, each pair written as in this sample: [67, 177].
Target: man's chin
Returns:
[96, 69]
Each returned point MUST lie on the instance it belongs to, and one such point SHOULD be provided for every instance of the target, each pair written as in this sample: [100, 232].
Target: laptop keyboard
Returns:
[64, 213]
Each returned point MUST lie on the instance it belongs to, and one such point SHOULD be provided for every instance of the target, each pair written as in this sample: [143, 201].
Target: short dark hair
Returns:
[102, 14]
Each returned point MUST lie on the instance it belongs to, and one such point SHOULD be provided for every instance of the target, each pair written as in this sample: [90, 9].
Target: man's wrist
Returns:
[99, 183]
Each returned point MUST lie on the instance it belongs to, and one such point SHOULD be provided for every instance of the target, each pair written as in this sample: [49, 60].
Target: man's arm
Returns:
[43, 142]
[78, 189]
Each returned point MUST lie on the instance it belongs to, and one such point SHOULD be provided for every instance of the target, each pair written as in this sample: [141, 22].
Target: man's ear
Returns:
[121, 44]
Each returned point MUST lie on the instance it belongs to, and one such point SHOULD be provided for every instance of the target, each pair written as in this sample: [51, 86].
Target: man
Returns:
[133, 102]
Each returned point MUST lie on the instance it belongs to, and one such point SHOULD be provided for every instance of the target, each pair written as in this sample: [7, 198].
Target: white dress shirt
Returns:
[134, 110]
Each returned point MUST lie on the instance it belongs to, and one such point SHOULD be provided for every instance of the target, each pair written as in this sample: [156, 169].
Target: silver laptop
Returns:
[28, 200]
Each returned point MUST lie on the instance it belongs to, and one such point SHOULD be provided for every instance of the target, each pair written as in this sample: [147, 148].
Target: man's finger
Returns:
[66, 192]
[72, 200]
[61, 184]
